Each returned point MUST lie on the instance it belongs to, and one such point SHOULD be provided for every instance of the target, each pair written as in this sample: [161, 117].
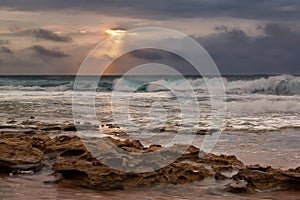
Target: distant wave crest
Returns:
[277, 85]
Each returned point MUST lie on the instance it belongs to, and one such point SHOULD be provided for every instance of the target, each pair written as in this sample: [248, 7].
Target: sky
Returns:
[242, 36]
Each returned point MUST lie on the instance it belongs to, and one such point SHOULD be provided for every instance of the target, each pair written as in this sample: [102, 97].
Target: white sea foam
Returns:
[35, 88]
[277, 85]
[263, 106]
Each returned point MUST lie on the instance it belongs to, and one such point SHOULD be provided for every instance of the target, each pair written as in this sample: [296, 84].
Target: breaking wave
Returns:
[276, 85]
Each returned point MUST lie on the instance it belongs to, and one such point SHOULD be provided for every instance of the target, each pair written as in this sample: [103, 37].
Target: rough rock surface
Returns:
[83, 169]
[17, 154]
[79, 166]
[31, 148]
[266, 178]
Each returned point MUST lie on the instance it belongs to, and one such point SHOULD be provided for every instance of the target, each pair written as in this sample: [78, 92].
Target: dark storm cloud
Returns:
[43, 51]
[277, 30]
[6, 50]
[254, 9]
[144, 56]
[232, 34]
[50, 35]
[277, 51]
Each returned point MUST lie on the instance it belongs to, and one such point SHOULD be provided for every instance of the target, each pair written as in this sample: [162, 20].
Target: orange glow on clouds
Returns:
[113, 33]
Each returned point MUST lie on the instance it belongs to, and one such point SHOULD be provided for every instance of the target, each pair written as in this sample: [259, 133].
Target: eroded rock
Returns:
[97, 165]
[238, 186]
[267, 178]
[84, 170]
[17, 154]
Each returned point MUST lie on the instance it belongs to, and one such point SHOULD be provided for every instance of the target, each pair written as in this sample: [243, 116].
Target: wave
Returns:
[276, 85]
[48, 88]
[53, 87]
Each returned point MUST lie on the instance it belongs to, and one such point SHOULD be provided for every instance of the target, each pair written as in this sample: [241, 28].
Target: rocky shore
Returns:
[29, 147]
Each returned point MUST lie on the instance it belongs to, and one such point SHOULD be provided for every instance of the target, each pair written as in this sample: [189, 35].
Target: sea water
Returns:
[262, 123]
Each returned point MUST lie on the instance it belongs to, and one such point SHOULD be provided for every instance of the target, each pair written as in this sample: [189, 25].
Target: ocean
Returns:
[253, 103]
[262, 120]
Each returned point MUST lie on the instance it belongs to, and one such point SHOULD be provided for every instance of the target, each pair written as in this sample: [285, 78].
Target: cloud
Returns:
[38, 33]
[119, 28]
[6, 50]
[50, 35]
[39, 49]
[277, 30]
[158, 9]
[148, 54]
[234, 51]
[232, 34]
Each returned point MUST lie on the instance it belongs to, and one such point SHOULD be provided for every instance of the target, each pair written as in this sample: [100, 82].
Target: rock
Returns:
[93, 162]
[127, 144]
[221, 168]
[49, 128]
[221, 160]
[220, 176]
[17, 154]
[191, 153]
[81, 167]
[69, 127]
[29, 122]
[168, 129]
[237, 187]
[39, 141]
[297, 170]
[59, 144]
[8, 126]
[12, 121]
[206, 131]
[267, 178]
[88, 172]
[202, 132]
[112, 126]
[153, 148]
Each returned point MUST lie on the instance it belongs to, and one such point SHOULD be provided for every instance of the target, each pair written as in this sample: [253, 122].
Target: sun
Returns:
[117, 32]
[112, 46]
